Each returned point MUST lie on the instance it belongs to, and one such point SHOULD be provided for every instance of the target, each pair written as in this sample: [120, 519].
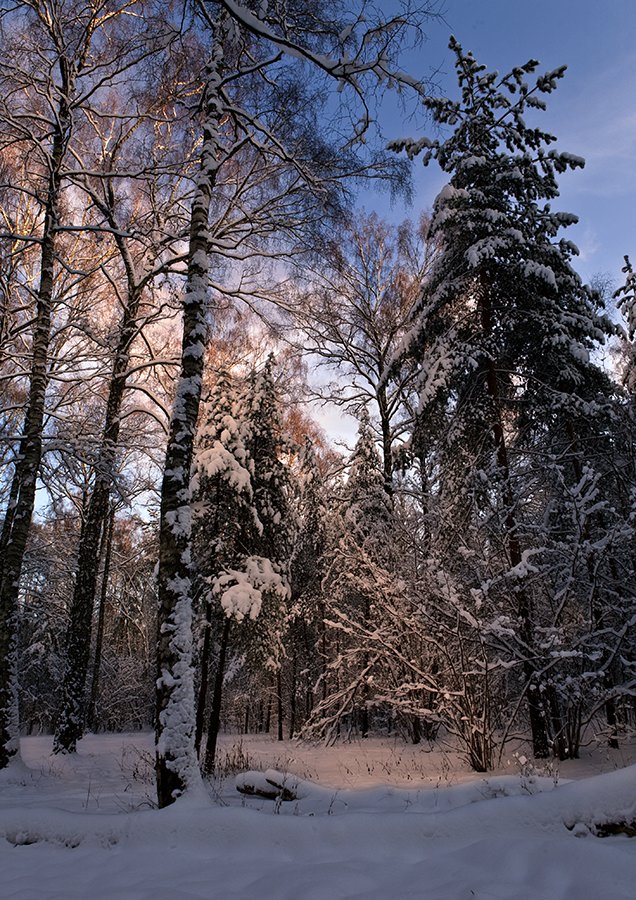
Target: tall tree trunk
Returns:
[217, 699]
[70, 726]
[17, 522]
[279, 703]
[387, 444]
[99, 636]
[268, 715]
[205, 675]
[292, 695]
[176, 761]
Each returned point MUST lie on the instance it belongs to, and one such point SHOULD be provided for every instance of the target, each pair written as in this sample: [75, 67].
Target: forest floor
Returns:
[374, 819]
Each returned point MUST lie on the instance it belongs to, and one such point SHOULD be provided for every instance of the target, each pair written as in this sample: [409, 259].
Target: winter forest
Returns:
[187, 282]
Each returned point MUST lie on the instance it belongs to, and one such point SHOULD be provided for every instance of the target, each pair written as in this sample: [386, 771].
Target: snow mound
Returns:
[66, 832]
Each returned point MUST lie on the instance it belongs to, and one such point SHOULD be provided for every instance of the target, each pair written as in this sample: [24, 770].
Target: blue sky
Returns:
[593, 112]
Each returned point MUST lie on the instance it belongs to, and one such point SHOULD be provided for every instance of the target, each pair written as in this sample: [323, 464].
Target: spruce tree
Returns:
[242, 527]
[274, 542]
[504, 329]
[224, 526]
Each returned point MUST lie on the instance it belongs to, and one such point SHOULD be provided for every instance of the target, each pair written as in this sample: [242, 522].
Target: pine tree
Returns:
[272, 502]
[224, 525]
[504, 329]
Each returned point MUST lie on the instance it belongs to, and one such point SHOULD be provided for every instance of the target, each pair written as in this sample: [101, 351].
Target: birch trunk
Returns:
[176, 759]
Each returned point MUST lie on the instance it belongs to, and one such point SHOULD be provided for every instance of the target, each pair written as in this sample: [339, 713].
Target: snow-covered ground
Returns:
[373, 819]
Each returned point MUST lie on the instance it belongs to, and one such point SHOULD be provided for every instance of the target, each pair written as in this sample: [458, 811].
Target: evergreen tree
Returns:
[224, 524]
[242, 536]
[367, 504]
[271, 480]
[504, 329]
[272, 501]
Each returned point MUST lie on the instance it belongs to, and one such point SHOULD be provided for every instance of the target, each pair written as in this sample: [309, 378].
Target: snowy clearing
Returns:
[373, 819]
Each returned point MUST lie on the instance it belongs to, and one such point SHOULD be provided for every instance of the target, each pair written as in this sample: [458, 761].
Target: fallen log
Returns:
[270, 785]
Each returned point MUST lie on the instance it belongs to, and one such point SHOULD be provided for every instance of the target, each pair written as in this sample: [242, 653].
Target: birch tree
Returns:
[353, 316]
[135, 186]
[54, 61]
[504, 328]
[352, 56]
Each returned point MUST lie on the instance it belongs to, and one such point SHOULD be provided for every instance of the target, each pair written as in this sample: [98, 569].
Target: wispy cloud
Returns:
[599, 122]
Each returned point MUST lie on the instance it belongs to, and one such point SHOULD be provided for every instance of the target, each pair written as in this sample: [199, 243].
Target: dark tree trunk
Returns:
[560, 747]
[101, 619]
[292, 698]
[268, 715]
[17, 522]
[387, 442]
[176, 762]
[279, 703]
[323, 653]
[536, 708]
[214, 723]
[309, 637]
[71, 723]
[205, 676]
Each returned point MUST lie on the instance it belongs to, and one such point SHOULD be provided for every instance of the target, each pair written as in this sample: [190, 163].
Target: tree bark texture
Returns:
[101, 620]
[176, 761]
[205, 677]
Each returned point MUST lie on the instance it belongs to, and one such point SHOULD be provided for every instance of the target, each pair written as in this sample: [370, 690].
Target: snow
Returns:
[373, 819]
[176, 743]
[180, 521]
[536, 270]
[218, 460]
[244, 596]
[240, 599]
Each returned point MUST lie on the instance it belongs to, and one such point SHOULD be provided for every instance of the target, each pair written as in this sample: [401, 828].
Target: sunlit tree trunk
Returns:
[176, 759]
